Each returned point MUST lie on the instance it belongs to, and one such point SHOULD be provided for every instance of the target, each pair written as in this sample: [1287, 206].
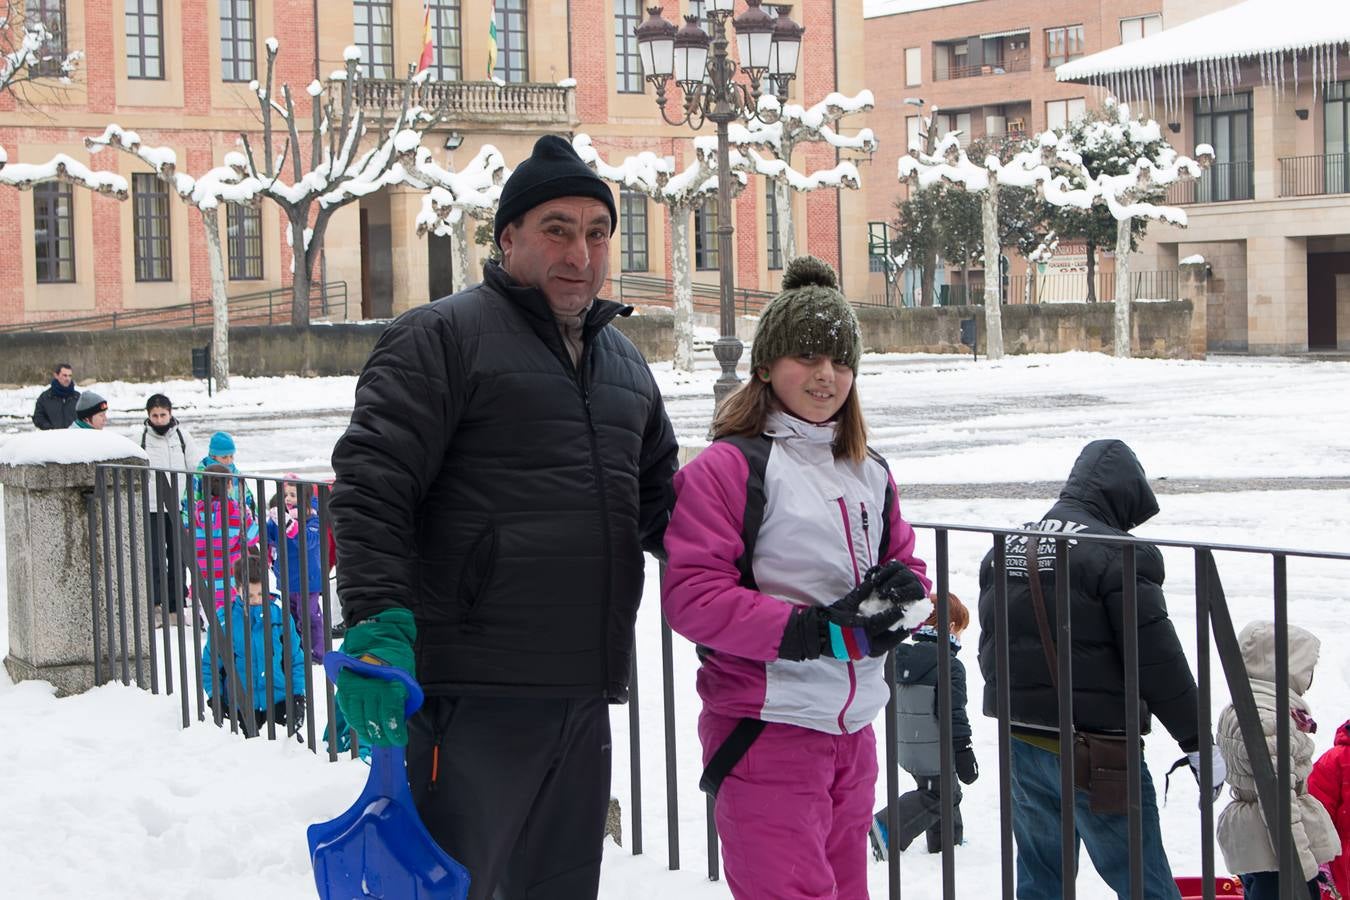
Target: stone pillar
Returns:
[48, 563]
[408, 251]
[1195, 288]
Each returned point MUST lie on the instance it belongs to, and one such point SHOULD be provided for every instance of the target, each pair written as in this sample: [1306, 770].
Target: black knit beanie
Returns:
[809, 316]
[553, 170]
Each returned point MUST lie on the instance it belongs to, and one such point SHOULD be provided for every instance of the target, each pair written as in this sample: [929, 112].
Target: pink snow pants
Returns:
[794, 813]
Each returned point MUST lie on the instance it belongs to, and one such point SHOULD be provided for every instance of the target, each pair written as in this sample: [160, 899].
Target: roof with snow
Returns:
[875, 8]
[1249, 29]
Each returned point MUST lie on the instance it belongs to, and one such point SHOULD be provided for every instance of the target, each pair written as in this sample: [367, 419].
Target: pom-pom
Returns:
[806, 270]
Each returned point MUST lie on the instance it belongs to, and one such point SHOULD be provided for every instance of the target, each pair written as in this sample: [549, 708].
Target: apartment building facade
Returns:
[1271, 216]
[177, 72]
[988, 66]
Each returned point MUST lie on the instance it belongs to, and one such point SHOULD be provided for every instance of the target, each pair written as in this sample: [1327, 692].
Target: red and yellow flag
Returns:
[428, 45]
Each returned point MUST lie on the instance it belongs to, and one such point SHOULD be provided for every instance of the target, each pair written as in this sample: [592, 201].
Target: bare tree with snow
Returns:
[456, 198]
[31, 50]
[337, 173]
[1132, 164]
[792, 127]
[1035, 167]
[229, 183]
[680, 193]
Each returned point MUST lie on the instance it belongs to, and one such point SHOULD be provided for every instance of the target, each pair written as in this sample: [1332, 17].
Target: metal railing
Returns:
[1071, 287]
[999, 67]
[266, 307]
[1309, 176]
[465, 102]
[119, 596]
[1220, 183]
[650, 290]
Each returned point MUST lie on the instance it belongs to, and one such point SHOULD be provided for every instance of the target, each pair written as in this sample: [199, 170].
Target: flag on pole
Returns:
[492, 41]
[428, 45]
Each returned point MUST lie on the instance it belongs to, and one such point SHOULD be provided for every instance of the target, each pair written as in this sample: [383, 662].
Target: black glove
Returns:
[901, 589]
[840, 630]
[967, 767]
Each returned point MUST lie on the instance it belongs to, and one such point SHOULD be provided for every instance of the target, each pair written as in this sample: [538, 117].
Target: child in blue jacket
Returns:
[309, 594]
[267, 644]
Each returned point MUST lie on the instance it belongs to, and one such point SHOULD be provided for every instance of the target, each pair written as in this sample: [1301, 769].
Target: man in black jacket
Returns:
[508, 460]
[1106, 493]
[55, 406]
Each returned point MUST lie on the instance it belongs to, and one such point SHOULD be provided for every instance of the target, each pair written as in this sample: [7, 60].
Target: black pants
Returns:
[519, 792]
[1266, 886]
[162, 539]
[921, 813]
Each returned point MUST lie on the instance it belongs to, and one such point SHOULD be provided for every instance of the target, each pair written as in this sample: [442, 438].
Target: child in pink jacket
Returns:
[791, 568]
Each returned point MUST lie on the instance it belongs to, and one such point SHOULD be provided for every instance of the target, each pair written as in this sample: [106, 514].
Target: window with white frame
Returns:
[913, 69]
[144, 20]
[705, 235]
[1139, 27]
[627, 62]
[1059, 113]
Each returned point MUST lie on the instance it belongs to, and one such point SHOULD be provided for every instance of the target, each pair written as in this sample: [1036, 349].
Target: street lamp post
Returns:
[767, 47]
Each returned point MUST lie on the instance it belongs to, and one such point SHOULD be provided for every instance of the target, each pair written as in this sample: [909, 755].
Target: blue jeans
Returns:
[1266, 886]
[1036, 826]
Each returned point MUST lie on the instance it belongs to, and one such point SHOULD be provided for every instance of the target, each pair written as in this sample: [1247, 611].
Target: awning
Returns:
[1008, 33]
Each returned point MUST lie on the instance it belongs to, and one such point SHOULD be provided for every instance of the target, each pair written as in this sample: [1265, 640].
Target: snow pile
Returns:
[475, 190]
[67, 445]
[1195, 260]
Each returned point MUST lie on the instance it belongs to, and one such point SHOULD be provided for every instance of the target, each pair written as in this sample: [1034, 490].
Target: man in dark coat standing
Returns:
[1106, 494]
[508, 460]
[55, 406]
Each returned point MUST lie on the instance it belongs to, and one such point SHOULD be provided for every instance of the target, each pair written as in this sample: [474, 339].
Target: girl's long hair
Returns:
[746, 410]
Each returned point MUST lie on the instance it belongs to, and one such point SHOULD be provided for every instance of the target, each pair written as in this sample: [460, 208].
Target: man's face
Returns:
[98, 420]
[160, 416]
[562, 248]
[65, 376]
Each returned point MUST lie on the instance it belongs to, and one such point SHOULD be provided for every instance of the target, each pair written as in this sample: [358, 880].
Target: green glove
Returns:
[373, 706]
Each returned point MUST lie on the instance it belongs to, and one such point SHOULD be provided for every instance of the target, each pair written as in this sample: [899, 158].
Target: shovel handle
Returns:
[334, 661]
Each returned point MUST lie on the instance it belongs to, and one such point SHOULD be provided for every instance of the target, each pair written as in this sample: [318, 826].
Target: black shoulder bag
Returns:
[1099, 760]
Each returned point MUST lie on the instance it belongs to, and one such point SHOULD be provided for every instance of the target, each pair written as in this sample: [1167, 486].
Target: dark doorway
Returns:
[440, 267]
[377, 272]
[1322, 271]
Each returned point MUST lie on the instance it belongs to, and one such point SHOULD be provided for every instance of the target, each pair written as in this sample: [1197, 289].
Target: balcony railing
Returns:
[1308, 176]
[475, 101]
[999, 67]
[1220, 183]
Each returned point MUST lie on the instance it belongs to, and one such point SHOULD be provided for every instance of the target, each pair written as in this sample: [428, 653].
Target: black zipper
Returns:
[604, 504]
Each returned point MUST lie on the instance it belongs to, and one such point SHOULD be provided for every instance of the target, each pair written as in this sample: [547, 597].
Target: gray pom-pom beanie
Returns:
[809, 316]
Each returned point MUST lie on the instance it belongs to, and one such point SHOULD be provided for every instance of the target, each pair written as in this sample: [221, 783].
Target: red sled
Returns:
[1193, 888]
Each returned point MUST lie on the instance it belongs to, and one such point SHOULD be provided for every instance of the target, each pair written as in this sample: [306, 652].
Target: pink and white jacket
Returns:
[825, 521]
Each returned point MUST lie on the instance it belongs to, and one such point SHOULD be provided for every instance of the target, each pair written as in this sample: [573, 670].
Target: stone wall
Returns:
[1161, 330]
[155, 354]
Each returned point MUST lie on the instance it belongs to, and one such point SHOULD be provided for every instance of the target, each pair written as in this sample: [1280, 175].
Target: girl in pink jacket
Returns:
[790, 566]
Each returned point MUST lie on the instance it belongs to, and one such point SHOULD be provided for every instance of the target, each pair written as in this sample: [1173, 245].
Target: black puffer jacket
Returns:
[54, 410]
[1106, 493]
[916, 711]
[501, 497]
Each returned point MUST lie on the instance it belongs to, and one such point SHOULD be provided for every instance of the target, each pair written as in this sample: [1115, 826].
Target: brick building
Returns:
[1272, 217]
[177, 73]
[989, 68]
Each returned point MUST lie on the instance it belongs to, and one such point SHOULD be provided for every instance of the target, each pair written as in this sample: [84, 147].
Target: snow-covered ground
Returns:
[106, 795]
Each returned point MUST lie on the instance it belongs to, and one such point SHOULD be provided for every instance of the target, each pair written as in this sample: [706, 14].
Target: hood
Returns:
[1257, 641]
[1109, 481]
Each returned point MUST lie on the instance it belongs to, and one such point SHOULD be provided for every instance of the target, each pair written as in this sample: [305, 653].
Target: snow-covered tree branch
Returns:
[30, 51]
[454, 198]
[680, 193]
[795, 125]
[229, 183]
[337, 172]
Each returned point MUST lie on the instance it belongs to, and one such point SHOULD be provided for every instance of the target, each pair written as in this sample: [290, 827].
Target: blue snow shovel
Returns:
[379, 848]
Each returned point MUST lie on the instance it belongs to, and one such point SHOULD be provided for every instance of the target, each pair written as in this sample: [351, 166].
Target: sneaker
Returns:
[880, 838]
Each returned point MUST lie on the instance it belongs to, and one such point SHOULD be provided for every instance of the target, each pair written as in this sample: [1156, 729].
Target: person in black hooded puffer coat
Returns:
[1106, 493]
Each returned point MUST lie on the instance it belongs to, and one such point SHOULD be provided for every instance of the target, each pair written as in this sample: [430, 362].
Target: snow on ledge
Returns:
[68, 445]
[1196, 260]
[1250, 28]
